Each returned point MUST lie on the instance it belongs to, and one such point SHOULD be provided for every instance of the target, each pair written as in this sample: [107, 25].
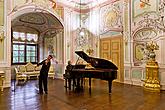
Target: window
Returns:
[18, 53]
[31, 53]
[24, 48]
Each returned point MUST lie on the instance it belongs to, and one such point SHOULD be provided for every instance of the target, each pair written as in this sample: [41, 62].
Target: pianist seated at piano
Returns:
[69, 78]
[69, 66]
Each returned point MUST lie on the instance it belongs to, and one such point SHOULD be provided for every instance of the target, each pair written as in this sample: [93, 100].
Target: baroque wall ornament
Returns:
[137, 10]
[141, 37]
[2, 37]
[111, 17]
[149, 25]
[81, 40]
[153, 19]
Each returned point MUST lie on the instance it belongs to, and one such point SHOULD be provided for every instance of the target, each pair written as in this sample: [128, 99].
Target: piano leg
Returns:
[89, 83]
[74, 83]
[110, 85]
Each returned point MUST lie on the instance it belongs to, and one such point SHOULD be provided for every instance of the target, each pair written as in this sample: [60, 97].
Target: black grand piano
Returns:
[102, 69]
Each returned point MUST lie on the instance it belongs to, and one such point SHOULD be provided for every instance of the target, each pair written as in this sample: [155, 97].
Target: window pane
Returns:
[21, 47]
[27, 59]
[16, 35]
[31, 48]
[35, 37]
[29, 37]
[21, 53]
[15, 53]
[28, 47]
[21, 59]
[27, 53]
[32, 59]
[32, 37]
[15, 47]
[15, 59]
[32, 54]
[22, 35]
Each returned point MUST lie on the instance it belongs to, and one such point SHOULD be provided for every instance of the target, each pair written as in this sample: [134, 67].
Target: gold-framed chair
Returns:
[20, 74]
[51, 72]
[2, 79]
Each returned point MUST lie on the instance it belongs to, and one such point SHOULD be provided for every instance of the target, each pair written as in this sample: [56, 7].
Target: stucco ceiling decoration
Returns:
[33, 18]
[42, 22]
[50, 33]
[86, 4]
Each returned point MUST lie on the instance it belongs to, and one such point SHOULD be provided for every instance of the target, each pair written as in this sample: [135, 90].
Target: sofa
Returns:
[29, 70]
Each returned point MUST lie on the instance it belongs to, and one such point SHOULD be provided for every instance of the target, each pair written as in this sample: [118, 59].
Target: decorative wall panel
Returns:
[127, 76]
[1, 12]
[137, 74]
[111, 17]
[1, 30]
[141, 37]
[137, 10]
[1, 51]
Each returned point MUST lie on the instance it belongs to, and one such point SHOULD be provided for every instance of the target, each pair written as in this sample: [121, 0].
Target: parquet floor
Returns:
[123, 97]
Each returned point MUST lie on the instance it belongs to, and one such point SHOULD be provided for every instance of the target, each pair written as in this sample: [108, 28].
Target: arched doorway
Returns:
[29, 21]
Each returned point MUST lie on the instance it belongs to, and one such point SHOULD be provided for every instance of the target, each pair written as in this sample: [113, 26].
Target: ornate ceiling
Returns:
[86, 4]
[42, 22]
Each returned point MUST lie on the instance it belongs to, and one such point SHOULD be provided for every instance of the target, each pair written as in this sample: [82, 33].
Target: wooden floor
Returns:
[123, 97]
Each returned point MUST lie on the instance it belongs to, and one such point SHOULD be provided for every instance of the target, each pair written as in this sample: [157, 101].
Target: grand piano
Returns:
[101, 69]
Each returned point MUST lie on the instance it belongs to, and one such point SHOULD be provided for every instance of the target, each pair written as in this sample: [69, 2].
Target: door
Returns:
[112, 49]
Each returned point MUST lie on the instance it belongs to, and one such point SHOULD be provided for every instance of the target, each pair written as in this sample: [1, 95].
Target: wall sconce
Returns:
[68, 44]
[90, 51]
[1, 37]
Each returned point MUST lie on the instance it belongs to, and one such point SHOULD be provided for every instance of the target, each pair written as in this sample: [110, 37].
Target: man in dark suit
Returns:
[44, 74]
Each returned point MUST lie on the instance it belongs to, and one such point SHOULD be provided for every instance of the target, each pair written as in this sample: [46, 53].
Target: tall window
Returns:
[24, 48]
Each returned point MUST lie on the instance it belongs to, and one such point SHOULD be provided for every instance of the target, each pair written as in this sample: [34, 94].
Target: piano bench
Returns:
[68, 81]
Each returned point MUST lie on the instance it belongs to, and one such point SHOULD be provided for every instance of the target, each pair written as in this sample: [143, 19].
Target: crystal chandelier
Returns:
[82, 32]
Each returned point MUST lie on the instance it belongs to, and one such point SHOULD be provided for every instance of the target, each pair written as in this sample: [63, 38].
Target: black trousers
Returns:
[43, 83]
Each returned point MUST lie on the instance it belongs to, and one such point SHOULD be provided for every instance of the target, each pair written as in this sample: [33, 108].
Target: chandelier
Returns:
[81, 29]
[82, 32]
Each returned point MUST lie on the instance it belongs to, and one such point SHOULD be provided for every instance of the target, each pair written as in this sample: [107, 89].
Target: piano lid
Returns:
[97, 62]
